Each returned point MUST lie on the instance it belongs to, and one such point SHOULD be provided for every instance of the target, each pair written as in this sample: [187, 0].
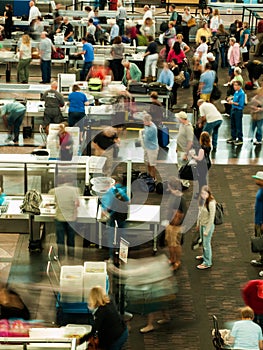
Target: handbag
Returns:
[180, 78]
[188, 172]
[257, 244]
[191, 22]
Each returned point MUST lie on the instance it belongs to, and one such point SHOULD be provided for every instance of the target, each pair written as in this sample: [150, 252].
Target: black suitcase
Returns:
[138, 88]
[27, 132]
[160, 88]
[163, 136]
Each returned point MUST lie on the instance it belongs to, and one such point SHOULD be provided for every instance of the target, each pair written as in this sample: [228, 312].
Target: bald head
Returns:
[54, 85]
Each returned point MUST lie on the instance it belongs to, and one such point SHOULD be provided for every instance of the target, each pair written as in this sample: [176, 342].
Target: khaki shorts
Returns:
[150, 156]
[173, 235]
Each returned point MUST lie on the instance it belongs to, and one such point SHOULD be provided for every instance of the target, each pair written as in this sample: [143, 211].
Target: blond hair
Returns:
[98, 297]
[26, 39]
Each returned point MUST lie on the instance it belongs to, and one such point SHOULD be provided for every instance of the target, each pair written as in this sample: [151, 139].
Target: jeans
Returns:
[151, 64]
[63, 227]
[85, 70]
[207, 249]
[223, 55]
[15, 120]
[76, 118]
[212, 129]
[259, 320]
[46, 71]
[257, 124]
[118, 344]
[120, 23]
[236, 124]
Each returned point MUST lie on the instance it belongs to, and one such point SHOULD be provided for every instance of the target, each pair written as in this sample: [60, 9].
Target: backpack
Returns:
[179, 19]
[219, 215]
[31, 202]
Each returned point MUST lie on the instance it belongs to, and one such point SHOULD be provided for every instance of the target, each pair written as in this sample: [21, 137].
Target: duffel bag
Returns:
[138, 88]
[160, 88]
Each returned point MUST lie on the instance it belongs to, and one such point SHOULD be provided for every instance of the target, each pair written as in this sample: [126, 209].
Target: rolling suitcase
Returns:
[163, 136]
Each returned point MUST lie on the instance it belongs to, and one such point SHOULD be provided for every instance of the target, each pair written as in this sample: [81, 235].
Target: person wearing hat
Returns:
[212, 60]
[184, 142]
[212, 118]
[258, 218]
[252, 294]
[13, 114]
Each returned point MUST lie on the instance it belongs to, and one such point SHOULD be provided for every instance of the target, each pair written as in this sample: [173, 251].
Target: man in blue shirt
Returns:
[114, 32]
[88, 52]
[166, 77]
[150, 144]
[238, 104]
[258, 214]
[206, 83]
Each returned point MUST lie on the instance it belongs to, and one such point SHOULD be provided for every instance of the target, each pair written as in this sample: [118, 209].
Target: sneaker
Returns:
[231, 140]
[11, 143]
[226, 84]
[8, 139]
[238, 142]
[257, 143]
[257, 263]
[226, 115]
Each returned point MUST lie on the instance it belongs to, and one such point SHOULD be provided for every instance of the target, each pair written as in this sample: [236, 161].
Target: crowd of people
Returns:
[214, 45]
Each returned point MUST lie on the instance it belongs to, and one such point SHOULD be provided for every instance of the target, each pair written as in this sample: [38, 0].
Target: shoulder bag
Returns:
[191, 22]
[180, 78]
[188, 172]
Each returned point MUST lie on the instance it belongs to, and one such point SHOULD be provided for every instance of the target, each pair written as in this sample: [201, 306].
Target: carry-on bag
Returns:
[160, 88]
[138, 88]
[163, 136]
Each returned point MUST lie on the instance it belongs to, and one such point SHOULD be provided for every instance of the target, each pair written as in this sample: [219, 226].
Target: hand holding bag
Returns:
[188, 172]
[191, 22]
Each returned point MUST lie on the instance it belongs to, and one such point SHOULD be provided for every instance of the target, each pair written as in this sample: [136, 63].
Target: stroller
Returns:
[218, 339]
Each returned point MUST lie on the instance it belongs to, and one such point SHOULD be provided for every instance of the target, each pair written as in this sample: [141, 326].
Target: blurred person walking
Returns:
[8, 15]
[176, 213]
[45, 48]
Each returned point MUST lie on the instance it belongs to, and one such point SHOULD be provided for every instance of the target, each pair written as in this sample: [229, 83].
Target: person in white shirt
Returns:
[213, 119]
[34, 12]
[147, 13]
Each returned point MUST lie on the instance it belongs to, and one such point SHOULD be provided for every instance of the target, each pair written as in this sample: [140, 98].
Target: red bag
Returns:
[59, 54]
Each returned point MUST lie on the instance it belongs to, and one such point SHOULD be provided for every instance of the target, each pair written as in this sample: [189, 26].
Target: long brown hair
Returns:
[205, 139]
[208, 199]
